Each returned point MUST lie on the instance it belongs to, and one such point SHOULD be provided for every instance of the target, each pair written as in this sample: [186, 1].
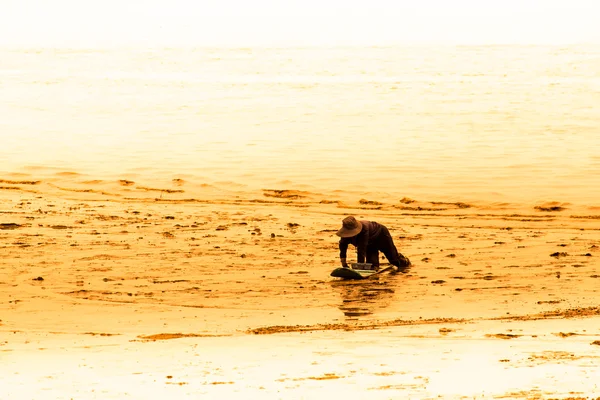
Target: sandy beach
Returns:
[169, 198]
[125, 289]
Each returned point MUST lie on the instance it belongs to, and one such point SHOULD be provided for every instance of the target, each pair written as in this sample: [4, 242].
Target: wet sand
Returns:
[123, 287]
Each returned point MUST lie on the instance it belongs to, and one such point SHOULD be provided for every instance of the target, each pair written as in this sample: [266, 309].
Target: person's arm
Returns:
[343, 251]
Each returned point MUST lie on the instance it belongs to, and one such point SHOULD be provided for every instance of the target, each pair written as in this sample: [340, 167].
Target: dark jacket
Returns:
[368, 235]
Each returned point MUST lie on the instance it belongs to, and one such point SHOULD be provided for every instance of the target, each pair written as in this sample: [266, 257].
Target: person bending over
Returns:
[369, 238]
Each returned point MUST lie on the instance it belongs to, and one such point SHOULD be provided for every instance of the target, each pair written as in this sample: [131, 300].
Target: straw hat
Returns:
[350, 227]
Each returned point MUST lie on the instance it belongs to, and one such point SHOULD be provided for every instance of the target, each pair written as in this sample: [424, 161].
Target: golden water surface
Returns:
[493, 123]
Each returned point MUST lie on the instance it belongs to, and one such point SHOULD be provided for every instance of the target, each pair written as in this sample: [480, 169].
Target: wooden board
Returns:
[348, 273]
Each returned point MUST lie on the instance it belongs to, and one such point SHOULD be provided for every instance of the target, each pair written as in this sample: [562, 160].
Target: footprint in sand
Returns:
[125, 182]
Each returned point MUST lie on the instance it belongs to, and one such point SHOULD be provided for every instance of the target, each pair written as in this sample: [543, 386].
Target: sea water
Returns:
[495, 123]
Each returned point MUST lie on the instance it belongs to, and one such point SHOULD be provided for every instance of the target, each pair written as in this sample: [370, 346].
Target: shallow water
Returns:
[480, 123]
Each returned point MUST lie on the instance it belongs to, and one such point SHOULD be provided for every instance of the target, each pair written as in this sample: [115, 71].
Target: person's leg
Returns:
[387, 247]
[373, 256]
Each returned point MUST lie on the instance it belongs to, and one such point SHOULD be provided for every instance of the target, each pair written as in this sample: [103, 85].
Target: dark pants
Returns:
[385, 244]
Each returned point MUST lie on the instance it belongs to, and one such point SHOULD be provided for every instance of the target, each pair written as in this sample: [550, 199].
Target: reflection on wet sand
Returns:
[364, 297]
